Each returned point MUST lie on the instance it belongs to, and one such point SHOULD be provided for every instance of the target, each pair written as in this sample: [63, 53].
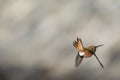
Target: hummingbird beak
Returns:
[99, 45]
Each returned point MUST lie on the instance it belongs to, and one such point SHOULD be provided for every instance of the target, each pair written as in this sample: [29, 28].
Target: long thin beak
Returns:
[99, 46]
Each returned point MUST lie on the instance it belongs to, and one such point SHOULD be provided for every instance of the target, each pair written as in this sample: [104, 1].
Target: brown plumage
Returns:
[84, 52]
[78, 44]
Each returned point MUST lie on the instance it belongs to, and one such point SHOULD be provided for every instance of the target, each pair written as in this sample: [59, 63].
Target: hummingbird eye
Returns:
[92, 48]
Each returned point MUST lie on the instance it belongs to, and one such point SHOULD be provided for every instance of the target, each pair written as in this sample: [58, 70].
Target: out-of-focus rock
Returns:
[36, 39]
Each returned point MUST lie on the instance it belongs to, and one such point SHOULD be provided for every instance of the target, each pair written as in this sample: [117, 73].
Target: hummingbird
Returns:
[84, 52]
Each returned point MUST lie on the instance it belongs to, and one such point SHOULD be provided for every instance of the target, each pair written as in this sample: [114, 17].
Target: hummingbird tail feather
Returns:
[99, 61]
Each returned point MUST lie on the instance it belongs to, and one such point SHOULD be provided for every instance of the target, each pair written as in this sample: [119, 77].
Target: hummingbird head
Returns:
[93, 48]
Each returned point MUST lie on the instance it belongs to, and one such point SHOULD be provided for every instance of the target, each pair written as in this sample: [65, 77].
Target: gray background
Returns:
[36, 39]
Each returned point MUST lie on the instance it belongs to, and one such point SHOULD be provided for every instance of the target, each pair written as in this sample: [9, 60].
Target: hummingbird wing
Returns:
[78, 44]
[99, 61]
[78, 60]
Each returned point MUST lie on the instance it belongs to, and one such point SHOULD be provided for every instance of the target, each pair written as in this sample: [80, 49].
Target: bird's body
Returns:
[87, 53]
[84, 52]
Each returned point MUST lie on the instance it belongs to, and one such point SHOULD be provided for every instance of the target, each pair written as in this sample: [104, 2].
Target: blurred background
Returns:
[36, 39]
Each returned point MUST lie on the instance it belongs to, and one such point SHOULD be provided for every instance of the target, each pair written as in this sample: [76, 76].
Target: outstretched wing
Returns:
[99, 61]
[78, 44]
[78, 60]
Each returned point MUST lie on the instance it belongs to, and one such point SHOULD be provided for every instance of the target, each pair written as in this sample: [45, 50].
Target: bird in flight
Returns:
[84, 52]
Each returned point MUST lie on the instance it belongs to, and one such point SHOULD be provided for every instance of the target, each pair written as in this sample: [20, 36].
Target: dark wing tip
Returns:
[75, 43]
[78, 39]
[99, 61]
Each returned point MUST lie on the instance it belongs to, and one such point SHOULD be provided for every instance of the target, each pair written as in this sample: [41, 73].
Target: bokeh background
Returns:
[36, 39]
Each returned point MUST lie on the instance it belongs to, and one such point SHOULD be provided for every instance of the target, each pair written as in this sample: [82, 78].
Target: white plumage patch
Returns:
[81, 53]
